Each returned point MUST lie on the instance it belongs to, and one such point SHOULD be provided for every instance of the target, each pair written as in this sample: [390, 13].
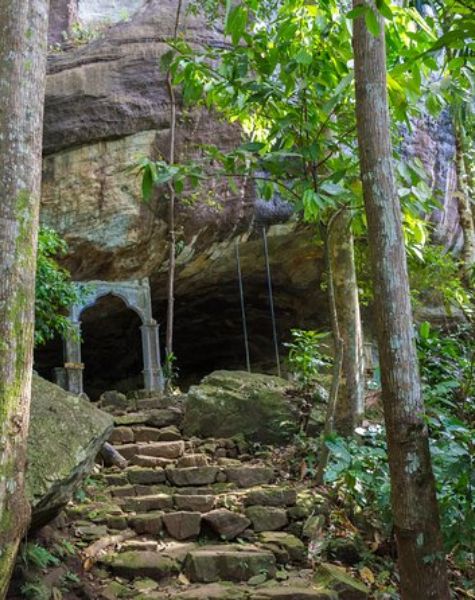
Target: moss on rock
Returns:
[229, 403]
[66, 433]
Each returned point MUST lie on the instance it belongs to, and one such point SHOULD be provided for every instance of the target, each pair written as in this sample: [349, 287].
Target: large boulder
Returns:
[262, 408]
[66, 433]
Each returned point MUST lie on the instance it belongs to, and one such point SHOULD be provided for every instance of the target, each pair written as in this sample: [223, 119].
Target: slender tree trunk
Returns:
[171, 207]
[464, 210]
[341, 254]
[422, 565]
[338, 359]
[23, 41]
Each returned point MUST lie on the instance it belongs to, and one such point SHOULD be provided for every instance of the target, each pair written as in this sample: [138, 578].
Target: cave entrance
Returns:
[111, 348]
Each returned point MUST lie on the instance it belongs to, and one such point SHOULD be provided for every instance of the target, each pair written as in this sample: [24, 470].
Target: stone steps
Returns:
[211, 521]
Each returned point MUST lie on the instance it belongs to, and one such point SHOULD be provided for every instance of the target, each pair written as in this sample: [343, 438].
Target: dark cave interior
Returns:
[208, 336]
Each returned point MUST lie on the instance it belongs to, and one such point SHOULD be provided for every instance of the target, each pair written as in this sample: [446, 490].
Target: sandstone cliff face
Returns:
[107, 105]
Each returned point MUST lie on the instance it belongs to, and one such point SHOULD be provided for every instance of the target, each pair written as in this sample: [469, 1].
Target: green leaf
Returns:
[147, 184]
[372, 22]
[384, 9]
[236, 23]
[252, 146]
[304, 57]
[358, 11]
[424, 330]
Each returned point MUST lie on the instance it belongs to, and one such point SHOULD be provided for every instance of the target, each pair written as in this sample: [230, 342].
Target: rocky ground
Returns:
[187, 518]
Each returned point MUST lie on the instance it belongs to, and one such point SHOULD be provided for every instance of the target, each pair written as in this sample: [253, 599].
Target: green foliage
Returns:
[35, 590]
[306, 358]
[55, 292]
[447, 361]
[358, 468]
[159, 172]
[38, 556]
[435, 280]
[170, 369]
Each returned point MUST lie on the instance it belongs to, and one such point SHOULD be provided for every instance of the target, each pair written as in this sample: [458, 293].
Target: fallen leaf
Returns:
[366, 575]
[183, 579]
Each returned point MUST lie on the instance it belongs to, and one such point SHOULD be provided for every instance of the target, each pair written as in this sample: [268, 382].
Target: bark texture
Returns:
[23, 39]
[421, 560]
[464, 209]
[350, 403]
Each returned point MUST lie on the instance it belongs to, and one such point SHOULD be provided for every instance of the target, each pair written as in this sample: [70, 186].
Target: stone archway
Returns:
[136, 296]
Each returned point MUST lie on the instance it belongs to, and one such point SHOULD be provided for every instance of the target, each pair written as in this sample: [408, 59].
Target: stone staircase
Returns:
[203, 519]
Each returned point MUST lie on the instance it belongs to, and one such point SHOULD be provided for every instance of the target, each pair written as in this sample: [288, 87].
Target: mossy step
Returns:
[249, 476]
[148, 503]
[145, 476]
[279, 496]
[267, 518]
[292, 593]
[170, 450]
[285, 546]
[192, 476]
[242, 477]
[214, 591]
[141, 460]
[150, 523]
[146, 563]
[160, 417]
[128, 434]
[231, 562]
[154, 434]
[196, 502]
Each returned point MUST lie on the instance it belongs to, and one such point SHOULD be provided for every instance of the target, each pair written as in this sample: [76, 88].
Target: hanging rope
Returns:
[271, 302]
[243, 308]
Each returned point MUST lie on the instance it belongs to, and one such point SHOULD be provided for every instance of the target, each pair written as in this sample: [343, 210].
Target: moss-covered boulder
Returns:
[263, 408]
[66, 433]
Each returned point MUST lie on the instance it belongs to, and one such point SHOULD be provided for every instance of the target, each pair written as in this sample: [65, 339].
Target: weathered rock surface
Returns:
[66, 433]
[214, 591]
[192, 476]
[293, 548]
[227, 524]
[228, 563]
[106, 105]
[340, 582]
[271, 496]
[267, 518]
[183, 525]
[248, 476]
[141, 564]
[230, 403]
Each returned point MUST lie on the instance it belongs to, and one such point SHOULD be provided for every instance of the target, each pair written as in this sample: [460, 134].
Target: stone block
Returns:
[267, 518]
[192, 476]
[183, 525]
[225, 523]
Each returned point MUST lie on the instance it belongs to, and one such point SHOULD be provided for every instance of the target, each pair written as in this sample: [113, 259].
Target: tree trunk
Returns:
[350, 403]
[171, 215]
[337, 361]
[22, 79]
[464, 209]
[422, 565]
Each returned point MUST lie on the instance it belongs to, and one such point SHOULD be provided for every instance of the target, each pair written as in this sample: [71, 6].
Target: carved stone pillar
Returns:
[152, 372]
[72, 360]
